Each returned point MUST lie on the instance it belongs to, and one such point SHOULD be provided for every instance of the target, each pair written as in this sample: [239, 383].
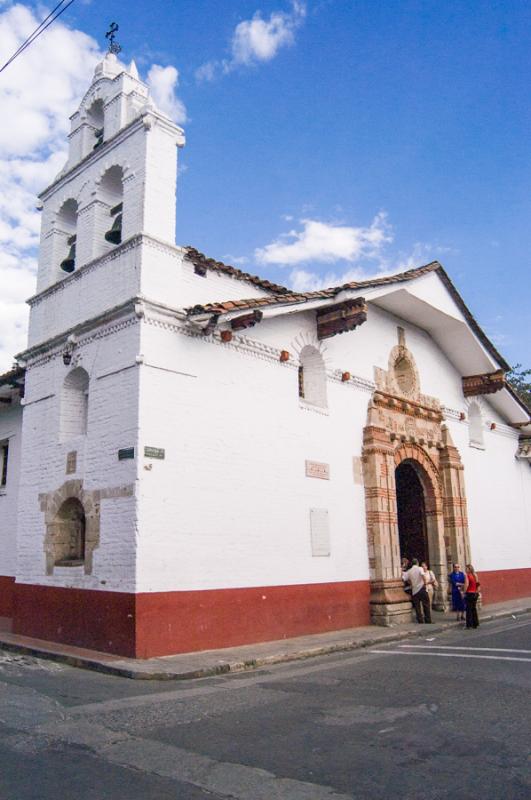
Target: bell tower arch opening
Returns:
[411, 513]
[111, 195]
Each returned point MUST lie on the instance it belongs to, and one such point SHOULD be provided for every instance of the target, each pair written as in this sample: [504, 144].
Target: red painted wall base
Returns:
[506, 584]
[162, 623]
[7, 586]
[86, 618]
[180, 622]
[165, 623]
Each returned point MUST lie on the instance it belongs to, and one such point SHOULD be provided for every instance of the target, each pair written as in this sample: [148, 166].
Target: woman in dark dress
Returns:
[457, 579]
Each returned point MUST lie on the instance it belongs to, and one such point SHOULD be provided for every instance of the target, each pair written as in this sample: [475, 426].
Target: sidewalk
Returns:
[236, 659]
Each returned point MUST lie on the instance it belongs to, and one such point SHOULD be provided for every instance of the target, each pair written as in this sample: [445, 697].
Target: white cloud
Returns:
[38, 91]
[364, 251]
[163, 82]
[326, 242]
[257, 40]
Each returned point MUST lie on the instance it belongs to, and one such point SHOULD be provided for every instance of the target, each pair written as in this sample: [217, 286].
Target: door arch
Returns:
[411, 513]
[418, 495]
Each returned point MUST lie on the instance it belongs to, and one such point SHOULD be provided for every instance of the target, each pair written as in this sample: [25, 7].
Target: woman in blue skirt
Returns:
[456, 579]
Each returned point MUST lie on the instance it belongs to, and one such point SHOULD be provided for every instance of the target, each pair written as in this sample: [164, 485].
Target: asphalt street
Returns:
[443, 716]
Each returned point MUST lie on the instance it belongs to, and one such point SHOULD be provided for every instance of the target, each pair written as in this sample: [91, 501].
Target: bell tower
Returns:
[119, 179]
[107, 237]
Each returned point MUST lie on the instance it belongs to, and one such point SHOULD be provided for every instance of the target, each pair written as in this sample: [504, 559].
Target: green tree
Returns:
[520, 380]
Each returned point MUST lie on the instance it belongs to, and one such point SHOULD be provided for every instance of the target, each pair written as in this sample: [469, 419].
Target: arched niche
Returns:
[312, 377]
[68, 534]
[74, 405]
[475, 426]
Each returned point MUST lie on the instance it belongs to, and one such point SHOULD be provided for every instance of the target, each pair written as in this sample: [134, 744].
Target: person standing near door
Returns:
[471, 597]
[431, 581]
[419, 596]
[456, 583]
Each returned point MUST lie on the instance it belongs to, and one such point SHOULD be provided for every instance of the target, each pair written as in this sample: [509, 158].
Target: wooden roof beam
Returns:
[488, 383]
[341, 318]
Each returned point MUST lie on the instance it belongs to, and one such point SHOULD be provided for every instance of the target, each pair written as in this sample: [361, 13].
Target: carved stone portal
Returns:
[405, 426]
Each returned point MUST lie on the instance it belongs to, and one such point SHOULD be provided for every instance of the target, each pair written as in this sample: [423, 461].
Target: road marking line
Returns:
[446, 655]
[462, 647]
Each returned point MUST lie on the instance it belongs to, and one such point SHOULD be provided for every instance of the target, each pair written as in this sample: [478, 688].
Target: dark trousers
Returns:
[422, 599]
[472, 620]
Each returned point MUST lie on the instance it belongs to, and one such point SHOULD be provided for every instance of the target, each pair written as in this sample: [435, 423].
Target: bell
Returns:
[69, 263]
[99, 137]
[114, 235]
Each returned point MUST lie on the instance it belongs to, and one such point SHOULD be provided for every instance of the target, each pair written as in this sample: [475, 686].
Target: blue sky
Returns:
[365, 137]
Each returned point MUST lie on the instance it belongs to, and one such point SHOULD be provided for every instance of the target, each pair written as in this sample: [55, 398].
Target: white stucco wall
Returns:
[10, 429]
[229, 504]
[110, 361]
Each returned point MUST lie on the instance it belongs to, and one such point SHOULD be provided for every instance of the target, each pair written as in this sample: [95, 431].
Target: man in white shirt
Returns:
[419, 595]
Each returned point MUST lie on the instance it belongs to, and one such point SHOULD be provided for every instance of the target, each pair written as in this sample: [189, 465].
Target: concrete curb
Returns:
[123, 671]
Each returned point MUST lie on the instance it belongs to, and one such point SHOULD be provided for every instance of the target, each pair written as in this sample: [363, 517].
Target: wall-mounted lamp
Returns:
[493, 426]
[226, 336]
[284, 355]
[345, 376]
[462, 415]
[67, 358]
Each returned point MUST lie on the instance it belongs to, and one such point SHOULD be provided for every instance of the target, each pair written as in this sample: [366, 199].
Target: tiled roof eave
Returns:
[286, 297]
[200, 260]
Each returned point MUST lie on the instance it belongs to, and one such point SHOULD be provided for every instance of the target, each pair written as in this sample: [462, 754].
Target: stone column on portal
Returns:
[455, 509]
[389, 604]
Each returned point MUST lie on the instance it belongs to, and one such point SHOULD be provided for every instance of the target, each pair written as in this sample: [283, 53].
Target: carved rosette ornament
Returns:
[404, 425]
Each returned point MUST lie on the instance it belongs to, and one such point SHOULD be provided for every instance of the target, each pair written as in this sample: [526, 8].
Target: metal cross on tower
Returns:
[114, 47]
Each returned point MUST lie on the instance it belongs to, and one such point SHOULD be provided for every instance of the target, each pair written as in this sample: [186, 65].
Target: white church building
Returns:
[192, 457]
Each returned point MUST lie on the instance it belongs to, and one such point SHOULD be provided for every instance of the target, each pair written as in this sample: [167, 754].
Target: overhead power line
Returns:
[47, 21]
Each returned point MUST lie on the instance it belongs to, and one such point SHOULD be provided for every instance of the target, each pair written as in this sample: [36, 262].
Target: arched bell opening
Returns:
[66, 229]
[111, 193]
[96, 121]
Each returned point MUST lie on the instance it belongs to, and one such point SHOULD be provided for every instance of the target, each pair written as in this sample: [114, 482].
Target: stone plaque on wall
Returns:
[316, 469]
[71, 462]
[320, 531]
[154, 452]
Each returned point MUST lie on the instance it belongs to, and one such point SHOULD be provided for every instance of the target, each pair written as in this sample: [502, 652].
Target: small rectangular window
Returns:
[4, 457]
